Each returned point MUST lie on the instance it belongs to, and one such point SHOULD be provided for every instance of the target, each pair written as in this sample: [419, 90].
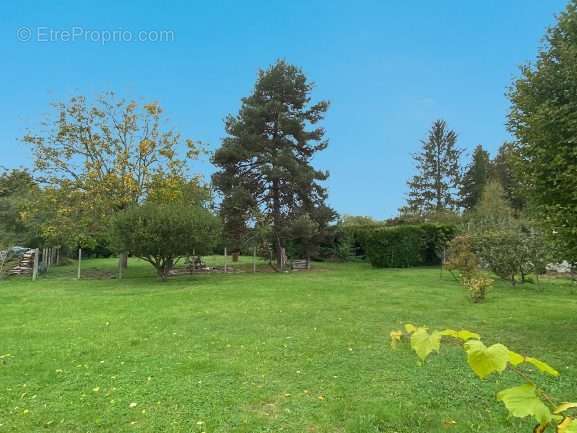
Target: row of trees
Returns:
[489, 200]
[443, 186]
[101, 168]
[94, 162]
[520, 208]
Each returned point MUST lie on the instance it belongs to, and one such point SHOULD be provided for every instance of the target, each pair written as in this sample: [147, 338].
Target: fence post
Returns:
[120, 269]
[35, 266]
[79, 261]
[253, 259]
[224, 259]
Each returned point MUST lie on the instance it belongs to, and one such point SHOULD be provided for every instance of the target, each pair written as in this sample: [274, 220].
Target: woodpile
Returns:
[301, 265]
[24, 264]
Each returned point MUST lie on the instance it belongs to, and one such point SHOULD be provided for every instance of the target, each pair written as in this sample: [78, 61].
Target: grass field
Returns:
[265, 352]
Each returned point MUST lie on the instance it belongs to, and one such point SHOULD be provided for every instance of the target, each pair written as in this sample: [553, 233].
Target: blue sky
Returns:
[389, 68]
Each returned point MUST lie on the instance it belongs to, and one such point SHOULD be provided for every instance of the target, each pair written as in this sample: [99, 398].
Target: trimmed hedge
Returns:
[356, 235]
[404, 246]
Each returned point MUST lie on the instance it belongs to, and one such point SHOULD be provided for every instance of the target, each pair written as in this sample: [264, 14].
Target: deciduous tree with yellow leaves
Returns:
[110, 155]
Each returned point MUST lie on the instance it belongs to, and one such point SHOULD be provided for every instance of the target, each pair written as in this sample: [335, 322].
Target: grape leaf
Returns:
[542, 366]
[424, 343]
[522, 401]
[463, 334]
[410, 328]
[564, 406]
[468, 335]
[568, 425]
[515, 358]
[486, 360]
[449, 333]
[395, 338]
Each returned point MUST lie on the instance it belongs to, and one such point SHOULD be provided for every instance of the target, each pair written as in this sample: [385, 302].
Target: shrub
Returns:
[437, 236]
[406, 245]
[344, 247]
[461, 258]
[517, 250]
[304, 236]
[162, 234]
[477, 283]
[499, 250]
[509, 246]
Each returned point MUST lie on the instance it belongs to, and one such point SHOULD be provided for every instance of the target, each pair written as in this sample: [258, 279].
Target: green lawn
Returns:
[265, 352]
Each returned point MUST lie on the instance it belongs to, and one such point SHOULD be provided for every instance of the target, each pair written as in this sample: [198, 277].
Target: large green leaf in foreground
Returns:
[486, 360]
[424, 343]
[522, 401]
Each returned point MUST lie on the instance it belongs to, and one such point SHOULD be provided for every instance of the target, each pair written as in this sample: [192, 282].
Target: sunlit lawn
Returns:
[264, 352]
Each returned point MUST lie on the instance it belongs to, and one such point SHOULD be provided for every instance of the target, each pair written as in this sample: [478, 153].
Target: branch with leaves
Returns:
[521, 401]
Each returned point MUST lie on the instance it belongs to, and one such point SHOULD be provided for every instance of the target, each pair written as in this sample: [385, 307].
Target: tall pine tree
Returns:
[265, 161]
[475, 178]
[435, 188]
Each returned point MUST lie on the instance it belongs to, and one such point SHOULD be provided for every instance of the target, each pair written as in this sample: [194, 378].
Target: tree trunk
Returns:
[438, 181]
[164, 269]
[573, 276]
[123, 260]
[235, 255]
[276, 223]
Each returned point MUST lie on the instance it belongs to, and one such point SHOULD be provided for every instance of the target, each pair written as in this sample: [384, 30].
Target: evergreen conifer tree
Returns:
[264, 162]
[434, 189]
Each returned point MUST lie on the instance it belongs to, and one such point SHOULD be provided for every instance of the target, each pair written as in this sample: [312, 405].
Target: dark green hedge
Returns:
[356, 235]
[404, 246]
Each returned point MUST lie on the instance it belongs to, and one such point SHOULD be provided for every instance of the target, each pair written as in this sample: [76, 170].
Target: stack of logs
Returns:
[25, 264]
[301, 265]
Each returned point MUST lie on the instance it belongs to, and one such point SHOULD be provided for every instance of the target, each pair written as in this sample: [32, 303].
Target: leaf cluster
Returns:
[521, 401]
